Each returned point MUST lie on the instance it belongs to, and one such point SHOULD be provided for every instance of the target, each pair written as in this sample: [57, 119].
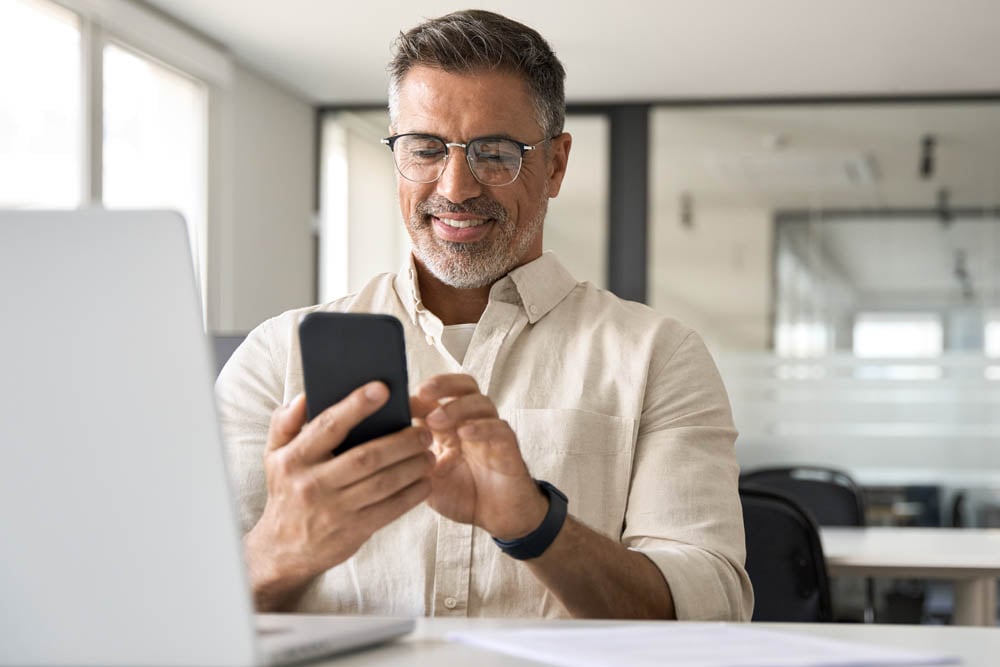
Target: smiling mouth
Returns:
[462, 224]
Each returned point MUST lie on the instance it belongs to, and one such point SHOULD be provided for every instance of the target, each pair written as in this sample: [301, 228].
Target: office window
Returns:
[898, 335]
[155, 141]
[41, 122]
[801, 339]
[991, 338]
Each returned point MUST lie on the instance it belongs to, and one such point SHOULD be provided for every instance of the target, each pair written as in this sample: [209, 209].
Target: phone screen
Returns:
[341, 352]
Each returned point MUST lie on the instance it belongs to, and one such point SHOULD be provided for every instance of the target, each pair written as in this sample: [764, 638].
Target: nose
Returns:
[457, 183]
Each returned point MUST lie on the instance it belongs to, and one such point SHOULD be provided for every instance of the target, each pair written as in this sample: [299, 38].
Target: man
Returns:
[518, 373]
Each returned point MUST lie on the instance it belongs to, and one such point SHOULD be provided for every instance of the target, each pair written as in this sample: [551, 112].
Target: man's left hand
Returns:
[480, 477]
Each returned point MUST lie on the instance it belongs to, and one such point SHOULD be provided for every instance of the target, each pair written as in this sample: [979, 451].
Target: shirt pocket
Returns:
[587, 455]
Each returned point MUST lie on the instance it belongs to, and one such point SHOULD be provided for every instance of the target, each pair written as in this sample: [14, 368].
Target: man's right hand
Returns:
[321, 509]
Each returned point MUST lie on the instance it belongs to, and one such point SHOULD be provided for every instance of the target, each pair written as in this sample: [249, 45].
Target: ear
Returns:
[558, 159]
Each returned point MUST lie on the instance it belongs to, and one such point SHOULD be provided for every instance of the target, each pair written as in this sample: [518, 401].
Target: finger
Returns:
[439, 387]
[465, 408]
[395, 506]
[492, 443]
[488, 431]
[420, 408]
[286, 422]
[447, 459]
[329, 428]
[368, 459]
[387, 482]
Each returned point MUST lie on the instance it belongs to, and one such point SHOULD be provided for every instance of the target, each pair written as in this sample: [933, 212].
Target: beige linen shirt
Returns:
[622, 409]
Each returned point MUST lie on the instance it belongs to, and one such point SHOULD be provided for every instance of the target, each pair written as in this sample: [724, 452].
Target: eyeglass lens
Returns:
[421, 158]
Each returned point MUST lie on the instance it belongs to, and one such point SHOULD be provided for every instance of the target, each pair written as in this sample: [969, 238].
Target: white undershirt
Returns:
[456, 339]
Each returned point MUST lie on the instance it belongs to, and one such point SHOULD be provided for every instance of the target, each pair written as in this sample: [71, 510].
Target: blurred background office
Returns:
[814, 186]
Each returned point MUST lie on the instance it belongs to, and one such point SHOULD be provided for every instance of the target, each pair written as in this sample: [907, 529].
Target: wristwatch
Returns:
[537, 541]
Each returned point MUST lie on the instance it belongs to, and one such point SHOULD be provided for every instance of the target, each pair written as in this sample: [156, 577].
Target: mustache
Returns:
[480, 206]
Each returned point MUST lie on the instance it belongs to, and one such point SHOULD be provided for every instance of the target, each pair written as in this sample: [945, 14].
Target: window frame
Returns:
[162, 41]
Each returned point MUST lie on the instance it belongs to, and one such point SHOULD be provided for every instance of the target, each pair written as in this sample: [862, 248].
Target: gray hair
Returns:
[476, 40]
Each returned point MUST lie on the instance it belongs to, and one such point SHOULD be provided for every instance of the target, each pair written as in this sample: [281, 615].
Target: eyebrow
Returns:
[493, 135]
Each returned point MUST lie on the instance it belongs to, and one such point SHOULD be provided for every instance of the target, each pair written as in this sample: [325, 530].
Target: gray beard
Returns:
[473, 265]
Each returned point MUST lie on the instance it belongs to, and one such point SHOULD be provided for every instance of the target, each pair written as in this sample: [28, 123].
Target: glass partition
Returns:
[843, 262]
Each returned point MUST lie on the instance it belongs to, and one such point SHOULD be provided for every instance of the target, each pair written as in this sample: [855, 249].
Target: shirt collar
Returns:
[539, 286]
[408, 290]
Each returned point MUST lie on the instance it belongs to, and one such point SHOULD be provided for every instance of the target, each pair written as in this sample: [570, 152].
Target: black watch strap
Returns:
[537, 541]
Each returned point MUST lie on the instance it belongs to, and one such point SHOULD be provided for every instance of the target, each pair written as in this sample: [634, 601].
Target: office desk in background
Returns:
[969, 557]
[427, 647]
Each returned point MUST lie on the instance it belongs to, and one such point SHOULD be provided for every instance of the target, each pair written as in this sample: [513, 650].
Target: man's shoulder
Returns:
[605, 309]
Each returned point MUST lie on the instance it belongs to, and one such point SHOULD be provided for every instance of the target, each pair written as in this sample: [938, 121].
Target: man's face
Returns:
[466, 234]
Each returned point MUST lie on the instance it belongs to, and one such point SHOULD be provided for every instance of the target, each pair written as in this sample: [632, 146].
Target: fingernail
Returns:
[375, 391]
[426, 438]
[467, 431]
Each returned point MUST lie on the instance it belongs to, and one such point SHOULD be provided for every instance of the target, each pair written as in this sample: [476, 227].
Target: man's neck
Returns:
[451, 304]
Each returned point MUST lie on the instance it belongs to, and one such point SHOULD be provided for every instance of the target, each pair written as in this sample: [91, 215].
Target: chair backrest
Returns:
[223, 347]
[784, 559]
[831, 496]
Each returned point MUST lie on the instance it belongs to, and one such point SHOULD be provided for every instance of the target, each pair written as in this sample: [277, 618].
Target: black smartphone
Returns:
[341, 352]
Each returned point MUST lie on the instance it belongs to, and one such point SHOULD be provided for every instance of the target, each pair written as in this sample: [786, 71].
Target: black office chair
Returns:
[830, 496]
[784, 559]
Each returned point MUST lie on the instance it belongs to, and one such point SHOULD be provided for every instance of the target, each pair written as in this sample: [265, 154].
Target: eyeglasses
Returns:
[422, 158]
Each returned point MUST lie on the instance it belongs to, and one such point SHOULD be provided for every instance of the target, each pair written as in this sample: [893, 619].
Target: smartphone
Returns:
[341, 352]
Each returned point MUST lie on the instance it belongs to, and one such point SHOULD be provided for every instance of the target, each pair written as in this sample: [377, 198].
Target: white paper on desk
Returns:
[688, 645]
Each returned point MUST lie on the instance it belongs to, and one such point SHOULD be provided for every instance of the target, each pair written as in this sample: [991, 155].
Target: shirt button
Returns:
[450, 603]
[533, 310]
[430, 340]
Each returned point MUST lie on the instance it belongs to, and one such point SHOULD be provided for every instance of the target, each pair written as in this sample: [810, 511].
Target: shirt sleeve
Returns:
[684, 510]
[247, 391]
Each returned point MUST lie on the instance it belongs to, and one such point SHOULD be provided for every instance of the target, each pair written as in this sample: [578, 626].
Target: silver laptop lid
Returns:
[119, 540]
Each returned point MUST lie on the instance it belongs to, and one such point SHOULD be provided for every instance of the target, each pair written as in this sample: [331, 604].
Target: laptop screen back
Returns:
[120, 543]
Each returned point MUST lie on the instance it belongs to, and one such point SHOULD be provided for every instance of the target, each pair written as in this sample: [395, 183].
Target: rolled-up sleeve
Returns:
[683, 508]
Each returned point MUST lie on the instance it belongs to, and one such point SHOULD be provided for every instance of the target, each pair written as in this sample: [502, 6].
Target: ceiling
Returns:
[809, 157]
[335, 52]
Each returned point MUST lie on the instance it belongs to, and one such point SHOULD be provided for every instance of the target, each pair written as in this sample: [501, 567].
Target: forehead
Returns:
[461, 106]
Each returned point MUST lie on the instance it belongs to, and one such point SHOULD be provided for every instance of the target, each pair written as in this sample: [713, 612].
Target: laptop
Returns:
[119, 541]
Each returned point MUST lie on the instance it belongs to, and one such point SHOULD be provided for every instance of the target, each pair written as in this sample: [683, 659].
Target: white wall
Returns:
[715, 275]
[260, 254]
[576, 227]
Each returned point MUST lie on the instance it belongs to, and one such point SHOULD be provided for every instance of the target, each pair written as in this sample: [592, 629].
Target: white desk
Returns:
[978, 647]
[970, 557]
